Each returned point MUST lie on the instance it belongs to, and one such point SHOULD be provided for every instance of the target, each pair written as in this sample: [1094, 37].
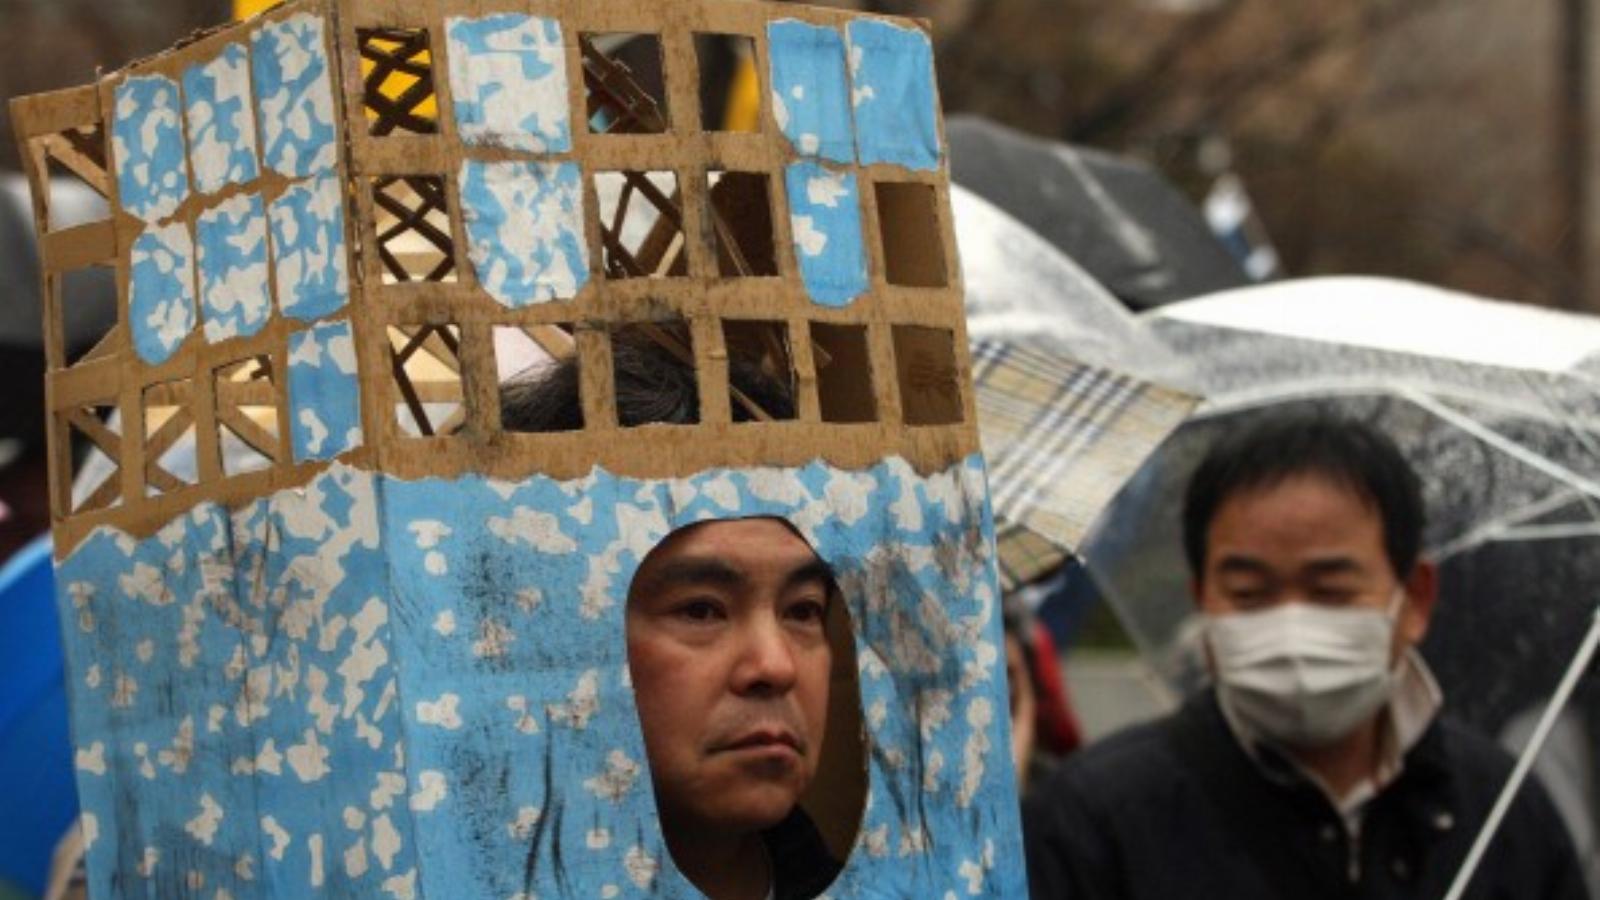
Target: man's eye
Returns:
[1333, 595]
[806, 612]
[698, 611]
[1248, 596]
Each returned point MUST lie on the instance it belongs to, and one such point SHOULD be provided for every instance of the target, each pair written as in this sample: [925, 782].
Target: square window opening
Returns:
[95, 432]
[170, 458]
[624, 81]
[761, 382]
[540, 383]
[741, 223]
[844, 373]
[397, 81]
[730, 82]
[248, 437]
[641, 224]
[426, 368]
[913, 245]
[654, 380]
[930, 383]
[87, 313]
[411, 226]
[79, 181]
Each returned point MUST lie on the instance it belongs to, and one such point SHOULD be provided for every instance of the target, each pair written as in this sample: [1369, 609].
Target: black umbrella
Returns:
[1115, 217]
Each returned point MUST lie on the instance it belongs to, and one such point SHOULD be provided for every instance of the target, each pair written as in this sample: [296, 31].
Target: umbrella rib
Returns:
[1504, 444]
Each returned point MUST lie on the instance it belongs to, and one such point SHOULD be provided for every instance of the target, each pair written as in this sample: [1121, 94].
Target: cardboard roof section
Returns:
[336, 225]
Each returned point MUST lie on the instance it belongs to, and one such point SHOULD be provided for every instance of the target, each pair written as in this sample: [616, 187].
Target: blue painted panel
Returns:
[294, 96]
[508, 78]
[161, 291]
[324, 392]
[308, 249]
[478, 625]
[232, 240]
[147, 146]
[525, 233]
[810, 94]
[896, 112]
[222, 125]
[825, 220]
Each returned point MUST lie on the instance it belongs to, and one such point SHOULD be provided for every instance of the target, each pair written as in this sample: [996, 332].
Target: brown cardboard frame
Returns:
[702, 297]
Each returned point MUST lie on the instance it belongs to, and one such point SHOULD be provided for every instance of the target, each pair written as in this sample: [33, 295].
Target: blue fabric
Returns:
[394, 686]
[36, 780]
[896, 112]
[825, 219]
[147, 147]
[810, 94]
[161, 304]
[324, 392]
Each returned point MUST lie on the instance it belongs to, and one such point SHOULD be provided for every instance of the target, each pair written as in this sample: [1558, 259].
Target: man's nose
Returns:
[766, 664]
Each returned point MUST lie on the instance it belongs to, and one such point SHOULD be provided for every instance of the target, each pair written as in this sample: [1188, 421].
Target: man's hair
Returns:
[1344, 451]
[650, 383]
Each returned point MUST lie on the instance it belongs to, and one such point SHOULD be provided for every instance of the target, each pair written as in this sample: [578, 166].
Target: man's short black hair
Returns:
[1347, 452]
[650, 384]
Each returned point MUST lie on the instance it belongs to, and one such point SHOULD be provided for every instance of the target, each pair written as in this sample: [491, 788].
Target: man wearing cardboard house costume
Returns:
[371, 643]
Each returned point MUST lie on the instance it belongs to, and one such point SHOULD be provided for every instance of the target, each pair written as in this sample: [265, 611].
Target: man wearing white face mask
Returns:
[1317, 765]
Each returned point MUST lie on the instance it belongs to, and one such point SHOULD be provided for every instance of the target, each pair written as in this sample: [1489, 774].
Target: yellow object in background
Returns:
[744, 98]
[244, 9]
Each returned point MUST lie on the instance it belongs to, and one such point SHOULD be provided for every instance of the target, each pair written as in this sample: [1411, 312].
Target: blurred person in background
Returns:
[1044, 727]
[1317, 765]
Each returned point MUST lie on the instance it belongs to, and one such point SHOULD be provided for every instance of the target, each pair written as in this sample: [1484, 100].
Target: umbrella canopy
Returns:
[1118, 218]
[1062, 428]
[1496, 405]
[1502, 441]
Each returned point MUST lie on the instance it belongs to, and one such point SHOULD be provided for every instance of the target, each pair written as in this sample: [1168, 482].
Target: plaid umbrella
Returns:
[1061, 438]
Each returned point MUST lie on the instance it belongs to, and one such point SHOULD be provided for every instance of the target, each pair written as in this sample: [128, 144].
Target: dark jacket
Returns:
[802, 867]
[1176, 809]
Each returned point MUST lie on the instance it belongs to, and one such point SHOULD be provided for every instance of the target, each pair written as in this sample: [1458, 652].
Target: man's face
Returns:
[730, 671]
[1307, 539]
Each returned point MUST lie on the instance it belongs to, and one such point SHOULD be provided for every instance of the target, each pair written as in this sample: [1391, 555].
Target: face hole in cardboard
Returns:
[641, 224]
[79, 184]
[411, 225]
[741, 223]
[930, 382]
[540, 378]
[760, 370]
[653, 374]
[95, 434]
[844, 373]
[789, 691]
[397, 74]
[247, 415]
[169, 437]
[624, 81]
[913, 245]
[429, 401]
[730, 82]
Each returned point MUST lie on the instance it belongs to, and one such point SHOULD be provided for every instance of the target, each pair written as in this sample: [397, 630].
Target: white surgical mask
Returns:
[1303, 675]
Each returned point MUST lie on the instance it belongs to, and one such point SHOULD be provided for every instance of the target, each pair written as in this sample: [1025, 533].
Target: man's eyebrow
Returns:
[815, 571]
[696, 570]
[1336, 565]
[1242, 565]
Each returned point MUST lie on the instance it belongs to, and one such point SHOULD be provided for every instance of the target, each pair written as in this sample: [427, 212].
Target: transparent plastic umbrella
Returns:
[1496, 405]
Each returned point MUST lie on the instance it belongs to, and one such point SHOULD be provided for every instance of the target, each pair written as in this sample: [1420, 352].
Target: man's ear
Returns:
[1422, 593]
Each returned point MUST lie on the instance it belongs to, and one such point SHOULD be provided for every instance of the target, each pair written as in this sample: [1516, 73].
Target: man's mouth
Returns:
[764, 739]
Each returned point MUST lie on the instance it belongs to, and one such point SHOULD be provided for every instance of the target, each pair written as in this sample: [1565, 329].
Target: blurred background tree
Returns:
[1433, 140]
[1439, 141]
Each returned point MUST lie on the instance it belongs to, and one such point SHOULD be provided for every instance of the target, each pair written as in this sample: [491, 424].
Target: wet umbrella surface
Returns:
[1497, 406]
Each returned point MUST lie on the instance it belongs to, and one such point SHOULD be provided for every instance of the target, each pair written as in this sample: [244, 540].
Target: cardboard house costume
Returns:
[366, 642]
